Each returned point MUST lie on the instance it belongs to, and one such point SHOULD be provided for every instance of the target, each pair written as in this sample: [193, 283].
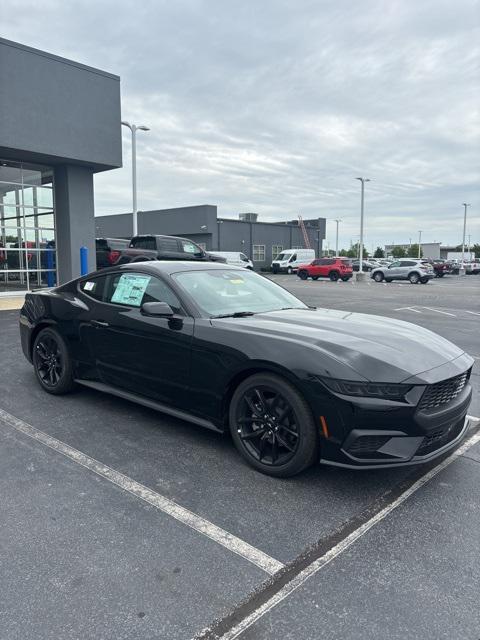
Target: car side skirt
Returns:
[147, 402]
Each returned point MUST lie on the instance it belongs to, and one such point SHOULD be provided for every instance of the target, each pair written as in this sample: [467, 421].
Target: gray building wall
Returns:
[429, 249]
[200, 223]
[64, 114]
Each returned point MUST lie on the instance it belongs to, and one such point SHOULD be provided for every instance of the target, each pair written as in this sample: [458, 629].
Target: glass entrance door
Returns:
[27, 227]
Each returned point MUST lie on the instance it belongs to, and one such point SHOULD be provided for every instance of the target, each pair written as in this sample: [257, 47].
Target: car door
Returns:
[406, 268]
[145, 355]
[394, 270]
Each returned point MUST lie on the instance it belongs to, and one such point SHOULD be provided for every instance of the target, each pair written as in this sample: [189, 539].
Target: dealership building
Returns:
[59, 125]
[260, 241]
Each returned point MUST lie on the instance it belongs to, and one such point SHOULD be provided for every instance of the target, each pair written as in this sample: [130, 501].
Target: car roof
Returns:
[167, 267]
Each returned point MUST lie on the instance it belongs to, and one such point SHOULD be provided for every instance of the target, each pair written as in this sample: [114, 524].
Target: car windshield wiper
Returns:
[236, 314]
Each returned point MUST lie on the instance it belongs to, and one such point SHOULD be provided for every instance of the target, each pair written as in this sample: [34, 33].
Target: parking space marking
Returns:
[309, 571]
[445, 313]
[407, 309]
[474, 313]
[183, 515]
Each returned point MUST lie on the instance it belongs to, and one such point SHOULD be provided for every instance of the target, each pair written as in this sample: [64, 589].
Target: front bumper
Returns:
[403, 450]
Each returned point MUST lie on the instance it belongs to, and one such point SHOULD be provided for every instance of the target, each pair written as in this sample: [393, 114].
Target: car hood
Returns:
[375, 347]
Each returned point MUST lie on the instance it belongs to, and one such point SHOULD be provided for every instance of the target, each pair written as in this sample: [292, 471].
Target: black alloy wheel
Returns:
[303, 275]
[333, 275]
[378, 277]
[272, 426]
[52, 363]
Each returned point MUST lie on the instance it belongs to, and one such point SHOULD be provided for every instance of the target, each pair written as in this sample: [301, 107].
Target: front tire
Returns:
[289, 271]
[52, 362]
[272, 426]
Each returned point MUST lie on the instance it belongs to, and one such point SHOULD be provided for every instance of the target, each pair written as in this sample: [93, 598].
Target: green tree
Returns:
[398, 252]
[413, 251]
[343, 253]
[354, 251]
[476, 249]
[379, 253]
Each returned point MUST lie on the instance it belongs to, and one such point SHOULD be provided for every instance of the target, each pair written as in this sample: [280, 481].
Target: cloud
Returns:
[277, 106]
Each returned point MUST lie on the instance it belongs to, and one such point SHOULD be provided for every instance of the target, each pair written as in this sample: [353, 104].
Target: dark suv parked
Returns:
[172, 248]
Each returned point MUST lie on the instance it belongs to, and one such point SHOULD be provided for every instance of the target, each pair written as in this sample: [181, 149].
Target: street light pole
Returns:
[133, 128]
[336, 238]
[362, 206]
[419, 243]
[462, 269]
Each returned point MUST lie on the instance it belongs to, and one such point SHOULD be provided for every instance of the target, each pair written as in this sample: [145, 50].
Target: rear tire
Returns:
[303, 275]
[440, 274]
[378, 277]
[287, 440]
[334, 276]
[52, 362]
[414, 278]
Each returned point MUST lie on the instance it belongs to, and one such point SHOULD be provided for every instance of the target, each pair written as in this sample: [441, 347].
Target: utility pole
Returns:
[420, 244]
[133, 128]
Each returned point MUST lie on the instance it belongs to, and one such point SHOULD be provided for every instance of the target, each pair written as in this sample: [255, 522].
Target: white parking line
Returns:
[183, 515]
[445, 313]
[407, 309]
[474, 313]
[344, 544]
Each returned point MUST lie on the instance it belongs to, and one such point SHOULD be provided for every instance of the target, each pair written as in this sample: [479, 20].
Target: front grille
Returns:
[439, 438]
[366, 446]
[436, 395]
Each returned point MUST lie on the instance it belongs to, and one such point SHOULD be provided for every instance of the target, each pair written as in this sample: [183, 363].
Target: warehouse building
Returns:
[59, 125]
[260, 241]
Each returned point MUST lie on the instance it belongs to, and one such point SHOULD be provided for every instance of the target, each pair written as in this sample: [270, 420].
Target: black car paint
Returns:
[191, 364]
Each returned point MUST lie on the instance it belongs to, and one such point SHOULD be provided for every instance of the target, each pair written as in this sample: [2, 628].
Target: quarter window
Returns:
[276, 250]
[143, 243]
[94, 287]
[259, 253]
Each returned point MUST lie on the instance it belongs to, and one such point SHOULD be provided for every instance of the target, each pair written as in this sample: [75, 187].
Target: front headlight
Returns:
[368, 389]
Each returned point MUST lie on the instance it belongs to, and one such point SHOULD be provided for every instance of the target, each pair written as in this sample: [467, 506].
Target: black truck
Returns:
[172, 248]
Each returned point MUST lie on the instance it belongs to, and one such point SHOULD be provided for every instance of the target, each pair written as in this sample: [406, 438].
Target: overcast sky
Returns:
[275, 106]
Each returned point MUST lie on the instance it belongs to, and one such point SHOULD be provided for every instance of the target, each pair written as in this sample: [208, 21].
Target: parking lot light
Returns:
[133, 128]
[419, 244]
[362, 207]
[462, 266]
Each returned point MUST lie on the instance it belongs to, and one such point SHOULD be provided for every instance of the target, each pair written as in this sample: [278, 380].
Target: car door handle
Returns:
[99, 323]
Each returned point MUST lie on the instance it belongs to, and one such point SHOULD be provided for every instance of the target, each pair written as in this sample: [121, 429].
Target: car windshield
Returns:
[282, 256]
[226, 292]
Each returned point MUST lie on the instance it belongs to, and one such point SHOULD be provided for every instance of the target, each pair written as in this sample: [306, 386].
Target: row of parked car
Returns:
[412, 269]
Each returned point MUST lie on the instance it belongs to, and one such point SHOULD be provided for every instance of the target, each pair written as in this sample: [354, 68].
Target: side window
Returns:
[168, 244]
[94, 287]
[188, 246]
[133, 289]
[143, 243]
[293, 258]
[316, 263]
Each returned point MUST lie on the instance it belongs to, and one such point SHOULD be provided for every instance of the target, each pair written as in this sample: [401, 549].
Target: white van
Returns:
[289, 259]
[234, 257]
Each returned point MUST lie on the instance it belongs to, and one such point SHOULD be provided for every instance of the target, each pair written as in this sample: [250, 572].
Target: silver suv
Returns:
[404, 269]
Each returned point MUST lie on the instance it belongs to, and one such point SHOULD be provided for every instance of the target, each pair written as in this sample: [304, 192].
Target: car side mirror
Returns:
[158, 309]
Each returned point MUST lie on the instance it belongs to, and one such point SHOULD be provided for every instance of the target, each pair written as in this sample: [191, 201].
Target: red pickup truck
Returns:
[333, 268]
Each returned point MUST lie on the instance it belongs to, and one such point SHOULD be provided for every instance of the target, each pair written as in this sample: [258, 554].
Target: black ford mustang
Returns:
[229, 349]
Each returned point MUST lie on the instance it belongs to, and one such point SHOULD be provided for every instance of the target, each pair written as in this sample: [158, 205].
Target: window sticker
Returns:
[89, 286]
[130, 289]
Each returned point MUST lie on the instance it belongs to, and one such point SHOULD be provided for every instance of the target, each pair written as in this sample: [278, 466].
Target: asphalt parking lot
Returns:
[121, 523]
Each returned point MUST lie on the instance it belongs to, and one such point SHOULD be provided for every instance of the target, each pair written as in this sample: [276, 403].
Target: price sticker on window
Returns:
[130, 289]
